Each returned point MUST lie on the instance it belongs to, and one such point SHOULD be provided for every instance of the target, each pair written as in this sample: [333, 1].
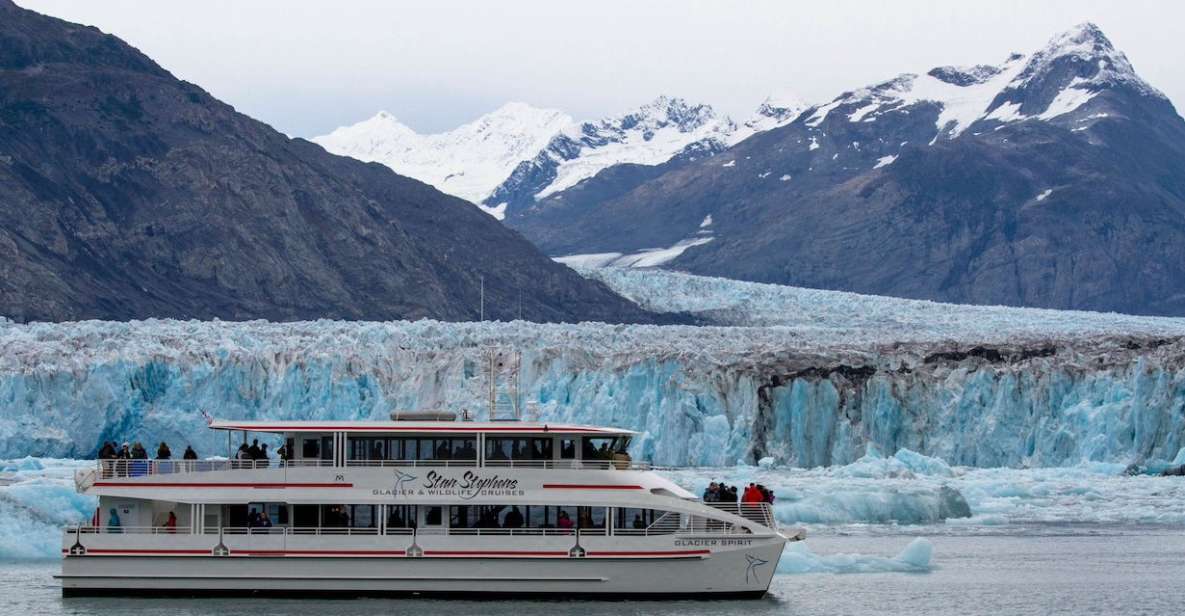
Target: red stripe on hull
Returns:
[260, 486]
[666, 553]
[589, 486]
[490, 553]
[415, 429]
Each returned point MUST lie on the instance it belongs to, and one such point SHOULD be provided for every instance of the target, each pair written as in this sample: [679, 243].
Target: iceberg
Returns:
[36, 502]
[914, 558]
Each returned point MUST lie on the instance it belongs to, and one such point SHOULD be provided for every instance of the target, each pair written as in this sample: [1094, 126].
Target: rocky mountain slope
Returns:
[126, 193]
[1052, 180]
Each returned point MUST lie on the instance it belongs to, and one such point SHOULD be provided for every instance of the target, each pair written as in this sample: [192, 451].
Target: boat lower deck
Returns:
[743, 570]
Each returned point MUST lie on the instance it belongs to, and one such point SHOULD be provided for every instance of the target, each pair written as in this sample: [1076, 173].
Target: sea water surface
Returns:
[1033, 570]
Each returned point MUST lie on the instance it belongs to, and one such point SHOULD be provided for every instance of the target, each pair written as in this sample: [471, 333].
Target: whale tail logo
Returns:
[401, 479]
[751, 570]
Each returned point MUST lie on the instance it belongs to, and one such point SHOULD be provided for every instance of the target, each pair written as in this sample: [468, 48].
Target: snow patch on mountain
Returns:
[468, 161]
[776, 110]
[1009, 92]
[649, 135]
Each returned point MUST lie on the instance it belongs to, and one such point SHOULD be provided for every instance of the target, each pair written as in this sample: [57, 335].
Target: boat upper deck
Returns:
[412, 426]
[402, 443]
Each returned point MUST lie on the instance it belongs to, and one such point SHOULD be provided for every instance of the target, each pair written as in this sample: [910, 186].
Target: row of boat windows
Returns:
[465, 448]
[458, 516]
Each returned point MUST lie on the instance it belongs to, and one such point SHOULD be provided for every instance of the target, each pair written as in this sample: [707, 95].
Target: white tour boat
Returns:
[432, 507]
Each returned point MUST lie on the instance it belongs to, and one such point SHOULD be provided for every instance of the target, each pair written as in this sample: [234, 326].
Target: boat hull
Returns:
[724, 573]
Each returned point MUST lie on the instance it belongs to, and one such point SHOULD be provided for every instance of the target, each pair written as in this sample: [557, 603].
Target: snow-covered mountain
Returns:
[513, 156]
[1053, 179]
[654, 133]
[468, 161]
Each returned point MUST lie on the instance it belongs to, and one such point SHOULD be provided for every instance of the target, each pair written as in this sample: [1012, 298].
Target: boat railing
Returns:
[601, 465]
[412, 463]
[761, 513]
[125, 468]
[504, 532]
[129, 530]
[668, 524]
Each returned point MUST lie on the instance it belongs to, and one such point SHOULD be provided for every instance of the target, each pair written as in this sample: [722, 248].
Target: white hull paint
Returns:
[727, 572]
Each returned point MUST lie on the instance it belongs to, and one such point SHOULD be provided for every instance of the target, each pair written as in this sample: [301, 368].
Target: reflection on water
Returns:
[1108, 570]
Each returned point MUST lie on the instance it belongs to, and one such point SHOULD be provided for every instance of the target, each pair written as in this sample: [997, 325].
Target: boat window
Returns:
[517, 448]
[310, 449]
[433, 516]
[326, 447]
[568, 448]
[427, 448]
[362, 516]
[604, 447]
[335, 516]
[634, 519]
[464, 448]
[591, 517]
[401, 516]
[305, 516]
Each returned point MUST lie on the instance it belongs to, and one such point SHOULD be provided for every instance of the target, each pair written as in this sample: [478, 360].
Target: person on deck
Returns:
[189, 454]
[171, 523]
[253, 452]
[513, 519]
[163, 452]
[113, 525]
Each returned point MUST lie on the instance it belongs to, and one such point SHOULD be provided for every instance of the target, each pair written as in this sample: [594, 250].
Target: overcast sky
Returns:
[308, 67]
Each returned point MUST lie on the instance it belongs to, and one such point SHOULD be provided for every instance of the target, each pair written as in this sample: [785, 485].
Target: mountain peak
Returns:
[672, 110]
[1085, 56]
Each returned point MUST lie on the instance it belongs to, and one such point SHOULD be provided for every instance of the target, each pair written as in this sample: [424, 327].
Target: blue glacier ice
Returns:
[914, 558]
[808, 378]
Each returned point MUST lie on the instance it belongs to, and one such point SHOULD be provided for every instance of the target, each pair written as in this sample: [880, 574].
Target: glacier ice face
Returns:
[835, 372]
[805, 377]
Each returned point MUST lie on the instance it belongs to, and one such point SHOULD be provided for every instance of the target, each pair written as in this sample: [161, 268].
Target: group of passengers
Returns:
[125, 457]
[723, 493]
[115, 525]
[253, 455]
[258, 519]
[137, 452]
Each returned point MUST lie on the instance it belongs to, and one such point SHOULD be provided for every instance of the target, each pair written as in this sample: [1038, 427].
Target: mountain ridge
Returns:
[131, 194]
[967, 185]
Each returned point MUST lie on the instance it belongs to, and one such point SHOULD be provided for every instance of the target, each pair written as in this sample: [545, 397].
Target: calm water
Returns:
[1087, 571]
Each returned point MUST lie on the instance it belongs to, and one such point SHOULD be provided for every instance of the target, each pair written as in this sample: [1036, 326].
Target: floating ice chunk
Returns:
[767, 462]
[785, 178]
[1044, 194]
[923, 465]
[915, 558]
[814, 144]
[28, 463]
[884, 161]
[731, 163]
